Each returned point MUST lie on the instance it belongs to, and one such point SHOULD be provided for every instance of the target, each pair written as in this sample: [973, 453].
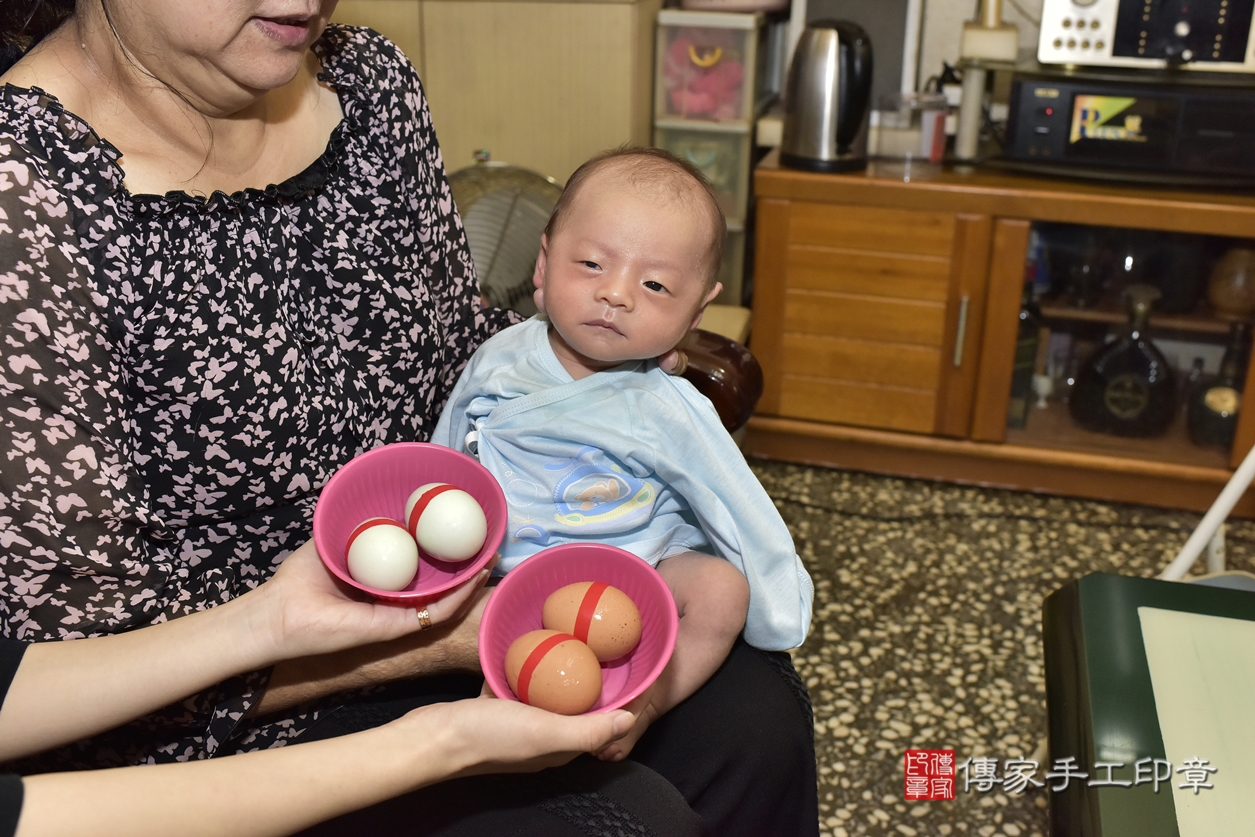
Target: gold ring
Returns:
[424, 618]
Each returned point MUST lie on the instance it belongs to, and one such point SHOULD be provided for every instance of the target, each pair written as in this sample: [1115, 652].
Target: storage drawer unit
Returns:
[710, 84]
[722, 152]
[709, 66]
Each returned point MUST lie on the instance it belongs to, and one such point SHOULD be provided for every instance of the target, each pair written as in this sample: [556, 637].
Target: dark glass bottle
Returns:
[1025, 358]
[1126, 387]
[1186, 387]
[1213, 403]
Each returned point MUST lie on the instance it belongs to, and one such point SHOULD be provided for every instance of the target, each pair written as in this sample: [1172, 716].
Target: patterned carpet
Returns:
[927, 630]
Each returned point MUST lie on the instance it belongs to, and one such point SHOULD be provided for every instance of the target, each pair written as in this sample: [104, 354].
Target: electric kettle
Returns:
[826, 97]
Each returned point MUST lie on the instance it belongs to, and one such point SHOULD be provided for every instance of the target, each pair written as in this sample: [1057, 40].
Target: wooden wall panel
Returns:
[863, 272]
[870, 228]
[400, 21]
[864, 317]
[543, 85]
[862, 361]
[890, 408]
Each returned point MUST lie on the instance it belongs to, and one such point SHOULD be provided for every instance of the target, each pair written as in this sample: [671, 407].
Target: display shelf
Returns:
[1052, 427]
[1110, 310]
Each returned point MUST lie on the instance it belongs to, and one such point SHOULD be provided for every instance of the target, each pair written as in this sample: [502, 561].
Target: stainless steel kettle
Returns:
[826, 97]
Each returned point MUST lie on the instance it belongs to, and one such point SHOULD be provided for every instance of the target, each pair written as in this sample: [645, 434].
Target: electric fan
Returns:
[504, 209]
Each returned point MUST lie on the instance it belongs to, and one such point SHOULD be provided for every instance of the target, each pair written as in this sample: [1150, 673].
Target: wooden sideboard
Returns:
[885, 314]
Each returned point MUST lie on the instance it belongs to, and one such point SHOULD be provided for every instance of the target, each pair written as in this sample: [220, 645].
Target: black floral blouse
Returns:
[179, 376]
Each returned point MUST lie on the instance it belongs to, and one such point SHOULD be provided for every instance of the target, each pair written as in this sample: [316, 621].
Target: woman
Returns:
[232, 261]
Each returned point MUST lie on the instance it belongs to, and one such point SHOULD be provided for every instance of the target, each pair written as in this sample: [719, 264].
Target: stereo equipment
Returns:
[1187, 129]
[1209, 35]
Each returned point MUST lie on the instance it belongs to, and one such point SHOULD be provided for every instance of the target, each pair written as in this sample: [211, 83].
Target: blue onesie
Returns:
[632, 457]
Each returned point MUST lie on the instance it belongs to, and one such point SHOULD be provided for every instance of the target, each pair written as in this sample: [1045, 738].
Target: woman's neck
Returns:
[171, 138]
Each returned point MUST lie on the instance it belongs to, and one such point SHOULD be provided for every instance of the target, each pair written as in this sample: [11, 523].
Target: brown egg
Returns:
[554, 671]
[596, 613]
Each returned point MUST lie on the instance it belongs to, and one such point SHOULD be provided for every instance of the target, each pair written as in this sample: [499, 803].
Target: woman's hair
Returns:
[24, 23]
[656, 171]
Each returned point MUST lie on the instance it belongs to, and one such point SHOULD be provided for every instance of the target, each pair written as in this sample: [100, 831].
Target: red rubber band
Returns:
[420, 506]
[533, 659]
[369, 524]
[588, 609]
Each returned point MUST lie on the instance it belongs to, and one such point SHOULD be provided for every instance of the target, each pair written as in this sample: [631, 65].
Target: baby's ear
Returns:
[701, 309]
[538, 274]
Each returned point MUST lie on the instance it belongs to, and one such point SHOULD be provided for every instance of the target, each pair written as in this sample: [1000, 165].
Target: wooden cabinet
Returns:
[885, 318]
[543, 85]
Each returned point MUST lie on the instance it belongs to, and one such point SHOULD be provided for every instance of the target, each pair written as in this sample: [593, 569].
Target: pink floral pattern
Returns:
[179, 376]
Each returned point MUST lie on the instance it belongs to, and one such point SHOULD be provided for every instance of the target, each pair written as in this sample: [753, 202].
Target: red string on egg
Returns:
[533, 660]
[421, 504]
[588, 609]
[369, 524]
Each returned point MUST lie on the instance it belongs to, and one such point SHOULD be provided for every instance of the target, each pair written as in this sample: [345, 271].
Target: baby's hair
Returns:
[654, 171]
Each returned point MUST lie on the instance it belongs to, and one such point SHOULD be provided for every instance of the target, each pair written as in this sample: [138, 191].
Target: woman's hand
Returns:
[303, 610]
[673, 362]
[505, 736]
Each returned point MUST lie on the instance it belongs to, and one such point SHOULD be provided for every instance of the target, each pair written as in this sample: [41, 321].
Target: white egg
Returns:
[381, 554]
[446, 521]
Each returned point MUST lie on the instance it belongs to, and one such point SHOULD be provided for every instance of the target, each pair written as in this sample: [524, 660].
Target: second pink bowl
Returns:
[377, 484]
[515, 606]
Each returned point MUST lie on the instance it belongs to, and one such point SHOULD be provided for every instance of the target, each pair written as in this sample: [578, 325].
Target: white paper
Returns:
[1203, 672]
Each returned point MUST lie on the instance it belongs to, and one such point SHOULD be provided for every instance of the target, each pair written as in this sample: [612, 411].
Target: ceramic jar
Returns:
[1231, 288]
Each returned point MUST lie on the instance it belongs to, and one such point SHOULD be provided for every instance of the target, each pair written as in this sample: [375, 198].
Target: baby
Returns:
[592, 441]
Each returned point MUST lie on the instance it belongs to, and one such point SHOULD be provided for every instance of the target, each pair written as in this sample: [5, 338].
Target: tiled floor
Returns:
[927, 630]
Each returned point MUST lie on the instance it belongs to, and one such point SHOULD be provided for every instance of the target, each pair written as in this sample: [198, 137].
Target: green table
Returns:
[1101, 702]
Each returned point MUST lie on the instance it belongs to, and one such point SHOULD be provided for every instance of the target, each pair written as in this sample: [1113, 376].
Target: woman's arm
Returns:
[64, 691]
[453, 646]
[280, 791]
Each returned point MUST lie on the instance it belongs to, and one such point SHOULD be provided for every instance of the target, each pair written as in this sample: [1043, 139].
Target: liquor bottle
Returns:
[1212, 410]
[1196, 375]
[1126, 387]
[1025, 360]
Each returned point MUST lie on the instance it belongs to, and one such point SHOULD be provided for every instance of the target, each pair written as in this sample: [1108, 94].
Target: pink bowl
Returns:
[514, 608]
[377, 484]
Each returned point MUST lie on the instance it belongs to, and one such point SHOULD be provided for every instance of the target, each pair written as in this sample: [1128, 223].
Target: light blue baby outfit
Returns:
[632, 457]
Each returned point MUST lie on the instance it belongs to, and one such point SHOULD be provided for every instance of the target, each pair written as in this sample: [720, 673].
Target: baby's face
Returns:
[624, 276]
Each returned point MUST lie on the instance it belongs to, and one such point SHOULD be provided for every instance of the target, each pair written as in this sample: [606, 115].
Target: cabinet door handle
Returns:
[962, 331]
